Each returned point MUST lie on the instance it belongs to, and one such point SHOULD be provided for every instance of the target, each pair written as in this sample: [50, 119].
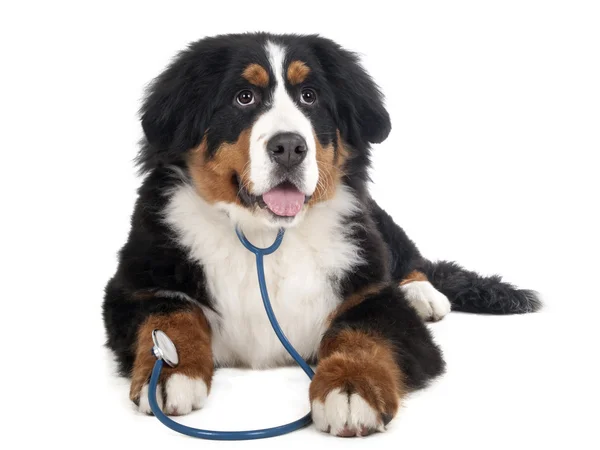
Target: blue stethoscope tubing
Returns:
[260, 253]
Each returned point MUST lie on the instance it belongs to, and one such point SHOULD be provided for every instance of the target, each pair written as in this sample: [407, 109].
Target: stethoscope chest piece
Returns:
[164, 348]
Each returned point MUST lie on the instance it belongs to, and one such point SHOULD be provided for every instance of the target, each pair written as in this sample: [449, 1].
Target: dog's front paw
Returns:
[178, 395]
[353, 395]
[181, 389]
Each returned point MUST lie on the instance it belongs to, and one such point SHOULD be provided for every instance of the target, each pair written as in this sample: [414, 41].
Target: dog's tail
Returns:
[471, 292]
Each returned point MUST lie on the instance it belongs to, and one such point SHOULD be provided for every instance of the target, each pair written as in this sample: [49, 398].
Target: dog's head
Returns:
[264, 126]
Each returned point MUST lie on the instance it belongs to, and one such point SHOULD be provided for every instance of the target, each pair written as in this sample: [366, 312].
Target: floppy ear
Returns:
[359, 108]
[177, 110]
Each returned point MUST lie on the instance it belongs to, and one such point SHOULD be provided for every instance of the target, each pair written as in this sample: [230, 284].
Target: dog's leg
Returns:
[405, 257]
[131, 316]
[185, 387]
[375, 351]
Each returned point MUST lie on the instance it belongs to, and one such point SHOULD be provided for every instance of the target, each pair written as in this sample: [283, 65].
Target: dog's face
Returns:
[264, 126]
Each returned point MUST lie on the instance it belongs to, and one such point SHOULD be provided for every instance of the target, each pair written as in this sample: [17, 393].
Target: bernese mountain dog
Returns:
[263, 131]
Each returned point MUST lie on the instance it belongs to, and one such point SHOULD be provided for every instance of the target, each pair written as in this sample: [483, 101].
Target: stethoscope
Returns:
[165, 352]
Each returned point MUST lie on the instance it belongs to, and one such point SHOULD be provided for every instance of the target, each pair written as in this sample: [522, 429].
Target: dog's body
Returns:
[261, 132]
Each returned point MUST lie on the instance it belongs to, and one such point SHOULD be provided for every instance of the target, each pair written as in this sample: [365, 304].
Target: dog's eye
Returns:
[245, 97]
[308, 96]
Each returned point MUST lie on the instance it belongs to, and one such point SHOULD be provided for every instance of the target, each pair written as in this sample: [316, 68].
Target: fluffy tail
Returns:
[470, 292]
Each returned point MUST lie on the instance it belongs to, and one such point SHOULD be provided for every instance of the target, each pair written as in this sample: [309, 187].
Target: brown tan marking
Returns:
[355, 299]
[415, 275]
[190, 333]
[297, 72]
[143, 295]
[330, 164]
[256, 75]
[355, 361]
[214, 178]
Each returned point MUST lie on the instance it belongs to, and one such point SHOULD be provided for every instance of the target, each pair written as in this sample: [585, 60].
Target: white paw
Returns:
[144, 406]
[345, 415]
[183, 395]
[429, 303]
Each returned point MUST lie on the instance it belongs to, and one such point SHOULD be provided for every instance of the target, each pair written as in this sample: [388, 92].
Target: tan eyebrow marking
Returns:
[256, 74]
[297, 72]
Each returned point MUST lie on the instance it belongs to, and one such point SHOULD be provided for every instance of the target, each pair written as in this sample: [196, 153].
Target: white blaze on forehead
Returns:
[282, 116]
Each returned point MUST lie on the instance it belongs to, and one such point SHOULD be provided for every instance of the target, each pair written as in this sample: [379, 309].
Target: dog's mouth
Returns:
[284, 200]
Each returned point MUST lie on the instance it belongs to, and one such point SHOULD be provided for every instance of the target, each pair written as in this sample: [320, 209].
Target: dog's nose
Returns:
[287, 149]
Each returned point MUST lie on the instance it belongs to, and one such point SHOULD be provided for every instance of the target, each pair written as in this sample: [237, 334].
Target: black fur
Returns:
[403, 254]
[471, 292]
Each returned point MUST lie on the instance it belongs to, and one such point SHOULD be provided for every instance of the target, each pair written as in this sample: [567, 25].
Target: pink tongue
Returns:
[284, 200]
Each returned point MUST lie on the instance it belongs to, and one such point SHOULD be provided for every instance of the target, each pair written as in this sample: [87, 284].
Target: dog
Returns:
[262, 132]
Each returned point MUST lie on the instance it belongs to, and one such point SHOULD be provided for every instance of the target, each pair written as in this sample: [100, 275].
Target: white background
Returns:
[492, 161]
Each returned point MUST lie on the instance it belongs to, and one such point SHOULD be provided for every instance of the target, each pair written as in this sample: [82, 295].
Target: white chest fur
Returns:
[301, 276]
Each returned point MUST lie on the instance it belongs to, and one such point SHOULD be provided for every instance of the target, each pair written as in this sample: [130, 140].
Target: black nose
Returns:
[287, 149]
